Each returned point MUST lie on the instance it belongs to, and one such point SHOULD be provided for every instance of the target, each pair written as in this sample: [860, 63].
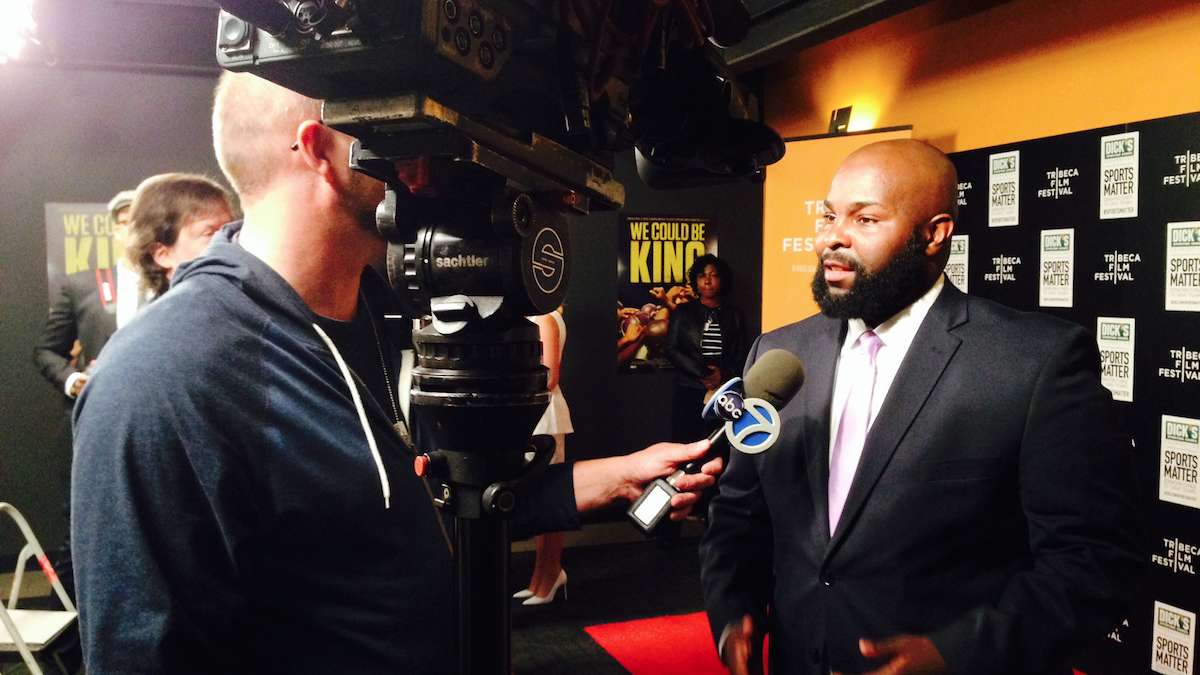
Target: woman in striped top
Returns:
[706, 343]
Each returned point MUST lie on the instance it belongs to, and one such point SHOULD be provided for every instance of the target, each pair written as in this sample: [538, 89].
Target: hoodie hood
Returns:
[226, 258]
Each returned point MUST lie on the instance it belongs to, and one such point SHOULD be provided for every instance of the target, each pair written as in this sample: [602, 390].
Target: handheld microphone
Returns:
[751, 425]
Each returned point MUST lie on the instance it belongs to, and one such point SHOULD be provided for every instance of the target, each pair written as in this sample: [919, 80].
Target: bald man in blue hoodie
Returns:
[231, 513]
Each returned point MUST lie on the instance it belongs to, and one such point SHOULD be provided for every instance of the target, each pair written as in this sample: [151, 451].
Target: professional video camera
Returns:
[489, 120]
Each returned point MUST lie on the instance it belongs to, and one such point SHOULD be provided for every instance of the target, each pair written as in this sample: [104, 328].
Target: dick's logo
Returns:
[958, 247]
[1174, 621]
[1056, 242]
[1185, 236]
[1120, 147]
[1179, 431]
[1004, 164]
[1110, 330]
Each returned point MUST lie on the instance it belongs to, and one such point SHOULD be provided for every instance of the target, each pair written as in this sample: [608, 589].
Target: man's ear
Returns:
[938, 232]
[163, 256]
[313, 144]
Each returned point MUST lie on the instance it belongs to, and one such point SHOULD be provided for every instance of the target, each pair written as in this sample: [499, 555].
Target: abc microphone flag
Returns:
[751, 425]
[726, 405]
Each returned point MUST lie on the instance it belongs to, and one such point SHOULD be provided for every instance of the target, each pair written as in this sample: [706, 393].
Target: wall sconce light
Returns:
[839, 121]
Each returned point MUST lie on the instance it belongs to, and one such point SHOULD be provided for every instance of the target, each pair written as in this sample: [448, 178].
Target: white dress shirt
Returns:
[896, 334]
[131, 296]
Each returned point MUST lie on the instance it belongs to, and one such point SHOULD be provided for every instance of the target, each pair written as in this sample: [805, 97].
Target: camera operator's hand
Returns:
[599, 482]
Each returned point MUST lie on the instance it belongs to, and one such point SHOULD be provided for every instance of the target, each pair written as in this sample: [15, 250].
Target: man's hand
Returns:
[78, 385]
[713, 379]
[742, 651]
[598, 482]
[905, 654]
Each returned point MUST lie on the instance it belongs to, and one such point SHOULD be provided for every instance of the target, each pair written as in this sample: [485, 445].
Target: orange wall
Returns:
[970, 78]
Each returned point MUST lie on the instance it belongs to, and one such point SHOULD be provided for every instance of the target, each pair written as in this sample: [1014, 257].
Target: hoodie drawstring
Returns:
[362, 417]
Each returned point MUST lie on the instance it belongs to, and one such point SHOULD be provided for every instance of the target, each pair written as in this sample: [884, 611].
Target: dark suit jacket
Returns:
[76, 314]
[992, 509]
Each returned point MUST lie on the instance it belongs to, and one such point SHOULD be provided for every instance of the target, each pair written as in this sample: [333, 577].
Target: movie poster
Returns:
[79, 241]
[654, 254]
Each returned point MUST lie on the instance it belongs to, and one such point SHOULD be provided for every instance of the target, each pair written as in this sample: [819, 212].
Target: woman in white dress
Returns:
[548, 574]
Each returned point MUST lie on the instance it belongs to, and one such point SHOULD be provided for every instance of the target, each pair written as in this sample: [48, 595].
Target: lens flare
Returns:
[17, 30]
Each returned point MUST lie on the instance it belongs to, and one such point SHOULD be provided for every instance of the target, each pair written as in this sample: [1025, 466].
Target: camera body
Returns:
[585, 77]
[517, 67]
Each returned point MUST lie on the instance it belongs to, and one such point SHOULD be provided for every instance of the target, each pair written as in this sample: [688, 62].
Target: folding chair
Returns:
[30, 631]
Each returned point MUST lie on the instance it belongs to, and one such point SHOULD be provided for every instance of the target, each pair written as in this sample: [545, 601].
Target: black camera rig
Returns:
[489, 121]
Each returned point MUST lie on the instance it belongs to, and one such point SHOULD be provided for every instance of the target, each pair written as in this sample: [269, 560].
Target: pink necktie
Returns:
[855, 421]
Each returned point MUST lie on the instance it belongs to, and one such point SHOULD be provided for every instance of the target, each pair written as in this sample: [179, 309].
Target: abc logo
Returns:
[732, 405]
[757, 430]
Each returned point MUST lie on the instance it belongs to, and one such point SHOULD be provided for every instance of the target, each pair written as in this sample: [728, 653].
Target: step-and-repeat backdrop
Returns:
[1102, 227]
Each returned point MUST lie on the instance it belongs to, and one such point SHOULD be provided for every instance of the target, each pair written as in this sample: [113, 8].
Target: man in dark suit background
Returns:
[85, 310]
[949, 492]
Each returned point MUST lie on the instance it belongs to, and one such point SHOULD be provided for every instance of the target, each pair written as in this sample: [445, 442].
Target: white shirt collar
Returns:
[902, 327]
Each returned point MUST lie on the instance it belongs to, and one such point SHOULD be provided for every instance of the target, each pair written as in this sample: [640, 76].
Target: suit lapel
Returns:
[932, 348]
[818, 396]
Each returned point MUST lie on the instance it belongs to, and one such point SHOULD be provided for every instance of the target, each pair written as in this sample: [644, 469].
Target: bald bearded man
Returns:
[249, 506]
[949, 493]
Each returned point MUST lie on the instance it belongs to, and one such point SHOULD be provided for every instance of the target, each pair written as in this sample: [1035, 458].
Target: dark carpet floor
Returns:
[614, 582]
[607, 583]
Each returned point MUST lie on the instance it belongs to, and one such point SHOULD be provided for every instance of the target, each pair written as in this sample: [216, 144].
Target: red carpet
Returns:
[663, 644]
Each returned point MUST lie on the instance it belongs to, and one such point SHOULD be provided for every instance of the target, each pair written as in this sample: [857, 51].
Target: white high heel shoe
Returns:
[521, 595]
[560, 582]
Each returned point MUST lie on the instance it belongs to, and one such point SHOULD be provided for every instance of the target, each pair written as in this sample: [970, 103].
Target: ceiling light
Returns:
[17, 29]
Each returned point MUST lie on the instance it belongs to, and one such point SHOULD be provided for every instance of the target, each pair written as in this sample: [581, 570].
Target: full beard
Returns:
[877, 296]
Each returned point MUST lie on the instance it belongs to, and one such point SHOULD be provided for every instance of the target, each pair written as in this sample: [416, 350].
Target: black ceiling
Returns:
[781, 27]
[179, 35]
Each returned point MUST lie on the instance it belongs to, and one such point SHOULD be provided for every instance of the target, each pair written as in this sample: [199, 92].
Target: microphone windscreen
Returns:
[775, 377]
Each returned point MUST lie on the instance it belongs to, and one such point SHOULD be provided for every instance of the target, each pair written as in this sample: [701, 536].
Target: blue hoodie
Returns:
[228, 511]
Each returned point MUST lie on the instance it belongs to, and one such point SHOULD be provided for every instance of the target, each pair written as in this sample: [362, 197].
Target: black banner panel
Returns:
[1102, 228]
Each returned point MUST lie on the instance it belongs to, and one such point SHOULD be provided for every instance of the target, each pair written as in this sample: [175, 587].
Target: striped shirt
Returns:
[710, 338]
